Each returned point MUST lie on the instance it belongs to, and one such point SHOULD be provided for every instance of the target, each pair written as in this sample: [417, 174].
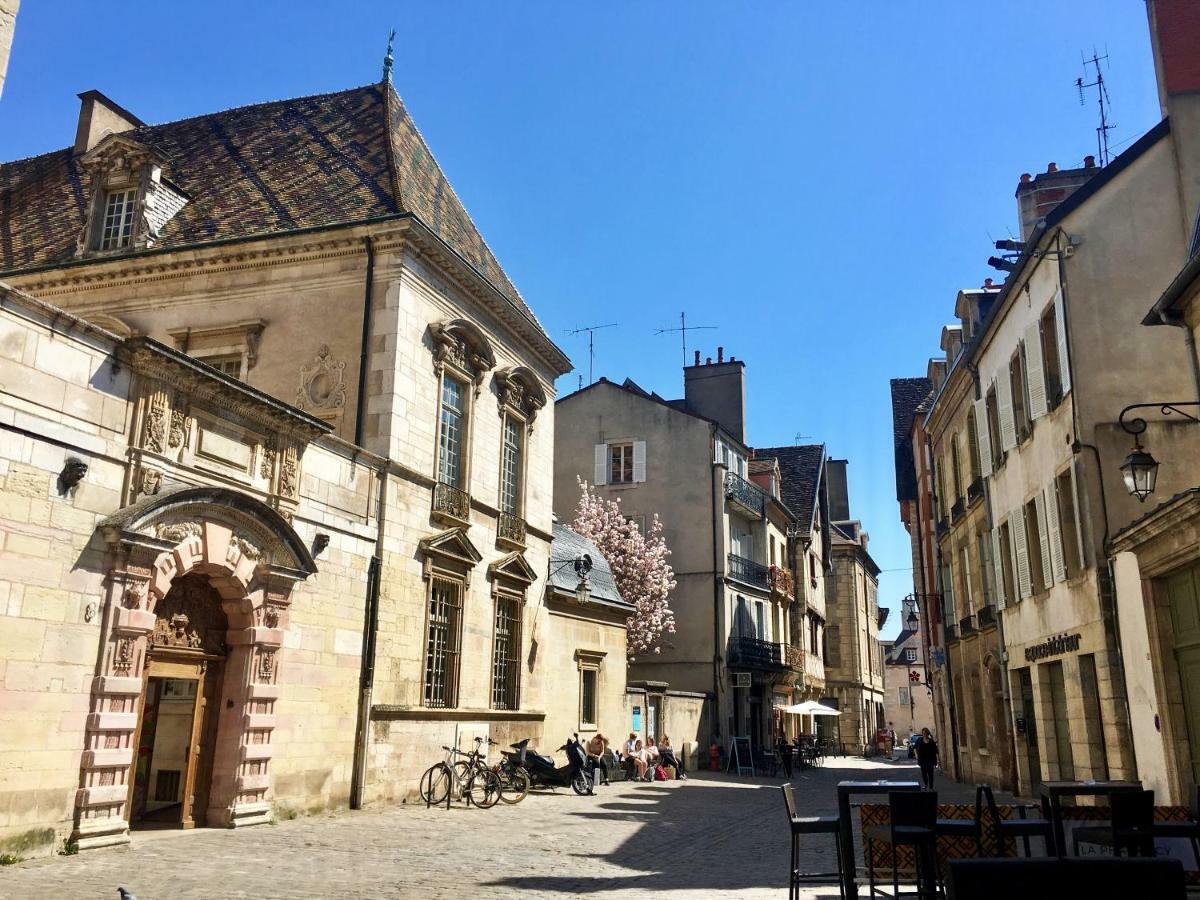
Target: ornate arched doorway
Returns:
[177, 732]
[194, 615]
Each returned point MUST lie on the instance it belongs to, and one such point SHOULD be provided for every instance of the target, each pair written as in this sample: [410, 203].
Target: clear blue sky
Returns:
[817, 180]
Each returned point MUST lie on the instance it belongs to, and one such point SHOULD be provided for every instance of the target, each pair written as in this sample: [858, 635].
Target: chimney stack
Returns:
[839, 495]
[697, 357]
[717, 391]
[1175, 39]
[98, 118]
[1038, 195]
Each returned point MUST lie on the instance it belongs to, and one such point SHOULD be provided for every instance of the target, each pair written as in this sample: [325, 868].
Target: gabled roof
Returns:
[800, 478]
[258, 170]
[907, 395]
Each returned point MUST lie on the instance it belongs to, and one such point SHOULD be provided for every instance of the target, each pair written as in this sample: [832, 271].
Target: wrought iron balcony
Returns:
[951, 633]
[966, 625]
[957, 510]
[748, 571]
[986, 617]
[751, 653]
[943, 528]
[451, 503]
[781, 582]
[745, 494]
[511, 530]
[975, 490]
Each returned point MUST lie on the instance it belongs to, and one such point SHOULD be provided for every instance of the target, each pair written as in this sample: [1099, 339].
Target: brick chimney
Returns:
[1175, 40]
[98, 118]
[839, 493]
[717, 391]
[1037, 195]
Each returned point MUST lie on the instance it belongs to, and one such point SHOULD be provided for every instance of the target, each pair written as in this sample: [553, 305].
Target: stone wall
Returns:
[8, 24]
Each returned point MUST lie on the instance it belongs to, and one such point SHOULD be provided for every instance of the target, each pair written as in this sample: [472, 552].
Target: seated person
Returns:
[628, 753]
[667, 755]
[596, 748]
[640, 760]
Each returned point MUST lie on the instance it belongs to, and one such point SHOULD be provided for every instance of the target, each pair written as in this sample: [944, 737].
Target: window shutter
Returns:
[1060, 325]
[1039, 505]
[639, 460]
[1016, 525]
[998, 570]
[1035, 374]
[718, 451]
[982, 438]
[1078, 516]
[1008, 427]
[948, 592]
[601, 473]
[1053, 518]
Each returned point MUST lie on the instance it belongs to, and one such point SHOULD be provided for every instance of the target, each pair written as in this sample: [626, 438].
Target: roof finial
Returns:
[387, 59]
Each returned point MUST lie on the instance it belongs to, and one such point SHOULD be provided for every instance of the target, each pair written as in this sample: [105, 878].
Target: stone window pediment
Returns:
[232, 341]
[518, 390]
[463, 348]
[513, 568]
[450, 549]
[130, 201]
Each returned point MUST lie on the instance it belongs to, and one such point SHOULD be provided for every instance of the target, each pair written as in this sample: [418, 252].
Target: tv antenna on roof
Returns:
[1102, 95]
[683, 329]
[800, 437]
[591, 333]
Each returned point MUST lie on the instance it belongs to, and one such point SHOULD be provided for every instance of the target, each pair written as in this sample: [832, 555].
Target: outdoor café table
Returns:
[1054, 791]
[846, 789]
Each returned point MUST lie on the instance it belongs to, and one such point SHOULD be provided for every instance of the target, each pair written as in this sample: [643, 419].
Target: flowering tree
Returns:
[639, 566]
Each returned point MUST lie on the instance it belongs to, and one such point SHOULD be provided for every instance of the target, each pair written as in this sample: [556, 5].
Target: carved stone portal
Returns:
[190, 617]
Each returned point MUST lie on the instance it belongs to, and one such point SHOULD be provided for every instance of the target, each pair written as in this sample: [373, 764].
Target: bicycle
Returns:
[514, 780]
[445, 780]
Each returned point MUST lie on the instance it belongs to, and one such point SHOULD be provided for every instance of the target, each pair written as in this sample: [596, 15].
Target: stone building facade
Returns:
[8, 25]
[349, 361]
[908, 700]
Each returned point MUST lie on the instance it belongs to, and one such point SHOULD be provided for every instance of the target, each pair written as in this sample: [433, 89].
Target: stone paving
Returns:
[708, 836]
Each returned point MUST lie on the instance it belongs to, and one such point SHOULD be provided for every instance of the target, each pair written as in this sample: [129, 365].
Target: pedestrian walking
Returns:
[927, 757]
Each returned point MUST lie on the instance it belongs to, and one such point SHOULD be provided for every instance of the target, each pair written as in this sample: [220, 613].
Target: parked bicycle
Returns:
[514, 780]
[460, 778]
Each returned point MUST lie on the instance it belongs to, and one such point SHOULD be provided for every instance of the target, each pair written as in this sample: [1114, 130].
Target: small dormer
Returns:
[936, 372]
[129, 200]
[952, 341]
[972, 306]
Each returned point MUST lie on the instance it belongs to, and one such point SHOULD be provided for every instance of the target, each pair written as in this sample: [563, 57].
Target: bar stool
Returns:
[913, 823]
[971, 829]
[809, 825]
[1024, 829]
[1131, 827]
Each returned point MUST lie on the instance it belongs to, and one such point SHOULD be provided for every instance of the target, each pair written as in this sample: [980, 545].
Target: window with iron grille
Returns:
[450, 433]
[441, 652]
[506, 653]
[589, 679]
[117, 227]
[510, 475]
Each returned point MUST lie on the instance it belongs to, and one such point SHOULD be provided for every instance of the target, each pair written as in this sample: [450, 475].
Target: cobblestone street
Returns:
[704, 837]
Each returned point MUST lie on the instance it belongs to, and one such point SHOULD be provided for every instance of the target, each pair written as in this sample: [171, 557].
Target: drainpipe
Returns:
[366, 677]
[1107, 591]
[365, 352]
[717, 520]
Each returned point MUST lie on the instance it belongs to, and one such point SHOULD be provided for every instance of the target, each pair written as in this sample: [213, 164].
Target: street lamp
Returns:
[583, 565]
[1140, 469]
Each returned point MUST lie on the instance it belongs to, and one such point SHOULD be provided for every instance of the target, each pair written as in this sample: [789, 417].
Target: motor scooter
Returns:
[544, 773]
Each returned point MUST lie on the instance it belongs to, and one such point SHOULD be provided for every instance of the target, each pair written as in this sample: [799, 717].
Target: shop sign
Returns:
[1056, 646]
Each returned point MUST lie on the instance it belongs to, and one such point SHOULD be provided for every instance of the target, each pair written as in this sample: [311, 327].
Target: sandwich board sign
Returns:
[739, 757]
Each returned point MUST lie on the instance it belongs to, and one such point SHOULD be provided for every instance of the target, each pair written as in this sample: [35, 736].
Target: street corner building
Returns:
[275, 450]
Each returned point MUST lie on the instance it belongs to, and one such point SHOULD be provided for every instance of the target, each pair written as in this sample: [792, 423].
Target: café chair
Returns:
[1054, 879]
[1005, 829]
[913, 824]
[803, 825]
[1131, 826]
[1188, 830]
[972, 829]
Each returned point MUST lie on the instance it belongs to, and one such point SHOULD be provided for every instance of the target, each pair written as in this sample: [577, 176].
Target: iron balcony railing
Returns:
[745, 494]
[451, 503]
[951, 633]
[943, 527]
[987, 616]
[751, 653]
[966, 625]
[975, 490]
[748, 571]
[957, 510]
[511, 529]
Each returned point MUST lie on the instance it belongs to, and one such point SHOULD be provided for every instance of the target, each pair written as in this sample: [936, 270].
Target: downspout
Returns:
[1107, 591]
[366, 678]
[716, 728]
[365, 352]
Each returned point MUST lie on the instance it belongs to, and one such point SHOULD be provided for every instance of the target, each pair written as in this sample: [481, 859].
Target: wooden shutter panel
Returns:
[983, 438]
[1016, 527]
[1039, 505]
[1060, 325]
[998, 570]
[1008, 427]
[1035, 371]
[639, 461]
[1054, 521]
[601, 473]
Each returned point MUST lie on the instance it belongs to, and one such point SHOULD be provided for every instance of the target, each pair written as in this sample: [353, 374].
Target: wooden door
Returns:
[1184, 597]
[204, 741]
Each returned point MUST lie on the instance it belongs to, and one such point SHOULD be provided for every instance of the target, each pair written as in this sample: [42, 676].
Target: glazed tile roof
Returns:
[907, 395]
[568, 544]
[800, 477]
[259, 170]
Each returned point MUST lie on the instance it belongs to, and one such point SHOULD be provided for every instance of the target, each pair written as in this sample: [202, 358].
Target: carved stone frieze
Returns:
[266, 465]
[190, 617]
[289, 473]
[266, 665]
[248, 549]
[156, 422]
[149, 481]
[177, 435]
[123, 655]
[177, 532]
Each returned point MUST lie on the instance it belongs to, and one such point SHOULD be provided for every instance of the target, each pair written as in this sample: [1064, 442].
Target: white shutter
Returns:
[1054, 521]
[1016, 527]
[718, 450]
[639, 461]
[1035, 373]
[1060, 325]
[1039, 505]
[600, 475]
[1008, 427]
[983, 438]
[998, 569]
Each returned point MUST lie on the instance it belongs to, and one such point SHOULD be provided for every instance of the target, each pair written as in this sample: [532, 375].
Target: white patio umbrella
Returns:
[810, 708]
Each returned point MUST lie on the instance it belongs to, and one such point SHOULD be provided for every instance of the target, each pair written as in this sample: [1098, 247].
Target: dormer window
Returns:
[119, 207]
